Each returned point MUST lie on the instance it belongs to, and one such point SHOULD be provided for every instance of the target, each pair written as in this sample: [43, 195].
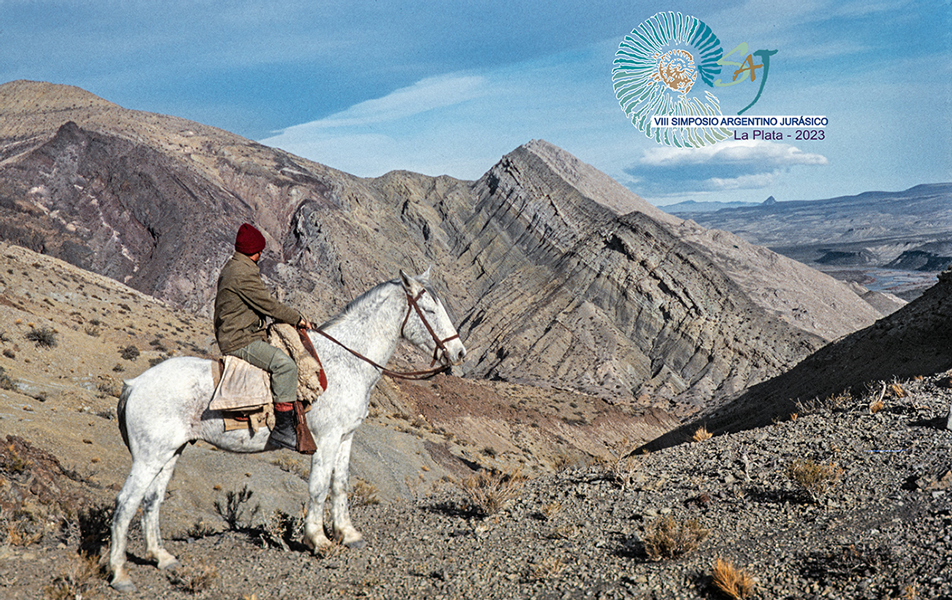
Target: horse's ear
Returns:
[425, 277]
[411, 285]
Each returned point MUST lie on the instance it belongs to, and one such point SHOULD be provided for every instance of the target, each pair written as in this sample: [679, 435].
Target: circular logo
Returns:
[655, 70]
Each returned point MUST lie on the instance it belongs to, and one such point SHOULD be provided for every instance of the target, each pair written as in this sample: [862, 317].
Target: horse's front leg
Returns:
[343, 528]
[322, 463]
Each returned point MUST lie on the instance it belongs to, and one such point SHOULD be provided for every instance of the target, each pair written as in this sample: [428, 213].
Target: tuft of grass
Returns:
[194, 579]
[363, 494]
[670, 538]
[815, 479]
[78, 581]
[897, 390]
[546, 568]
[731, 581]
[490, 491]
[701, 434]
[551, 509]
[130, 352]
[200, 529]
[44, 337]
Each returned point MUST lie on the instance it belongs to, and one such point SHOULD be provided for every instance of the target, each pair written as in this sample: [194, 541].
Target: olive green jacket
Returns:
[242, 304]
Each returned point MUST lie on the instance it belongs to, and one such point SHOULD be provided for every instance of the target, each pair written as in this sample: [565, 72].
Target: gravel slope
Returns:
[883, 531]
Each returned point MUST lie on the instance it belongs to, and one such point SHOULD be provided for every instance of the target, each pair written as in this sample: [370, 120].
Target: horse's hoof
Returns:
[172, 564]
[124, 586]
[356, 544]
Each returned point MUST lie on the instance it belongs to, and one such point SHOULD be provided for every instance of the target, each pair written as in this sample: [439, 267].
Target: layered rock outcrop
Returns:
[558, 275]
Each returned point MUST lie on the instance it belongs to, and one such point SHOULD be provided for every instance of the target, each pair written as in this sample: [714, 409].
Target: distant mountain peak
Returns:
[769, 201]
[592, 183]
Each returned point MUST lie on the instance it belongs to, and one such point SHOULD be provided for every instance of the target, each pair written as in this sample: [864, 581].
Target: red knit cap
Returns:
[249, 240]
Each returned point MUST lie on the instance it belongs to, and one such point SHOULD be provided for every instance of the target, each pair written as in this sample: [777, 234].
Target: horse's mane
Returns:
[368, 296]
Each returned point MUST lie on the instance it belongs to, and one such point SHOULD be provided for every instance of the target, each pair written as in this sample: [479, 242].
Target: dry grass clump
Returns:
[669, 538]
[701, 434]
[194, 579]
[363, 494]
[815, 479]
[75, 583]
[731, 581]
[547, 568]
[490, 491]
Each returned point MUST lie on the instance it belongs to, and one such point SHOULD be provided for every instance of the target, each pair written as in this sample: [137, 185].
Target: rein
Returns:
[410, 375]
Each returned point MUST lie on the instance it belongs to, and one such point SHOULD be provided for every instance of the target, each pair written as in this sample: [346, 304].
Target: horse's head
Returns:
[427, 325]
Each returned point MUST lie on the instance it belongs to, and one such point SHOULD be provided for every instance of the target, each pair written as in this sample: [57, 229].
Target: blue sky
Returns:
[449, 88]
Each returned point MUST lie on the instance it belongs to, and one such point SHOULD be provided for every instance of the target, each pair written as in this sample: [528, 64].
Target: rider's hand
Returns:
[304, 324]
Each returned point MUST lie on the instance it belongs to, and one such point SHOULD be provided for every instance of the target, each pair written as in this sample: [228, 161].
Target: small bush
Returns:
[232, 510]
[363, 494]
[78, 581]
[815, 479]
[281, 529]
[731, 581]
[551, 509]
[44, 337]
[194, 579]
[130, 352]
[200, 530]
[547, 568]
[669, 538]
[701, 434]
[489, 492]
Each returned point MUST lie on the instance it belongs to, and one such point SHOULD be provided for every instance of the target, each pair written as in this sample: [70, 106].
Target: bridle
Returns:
[412, 305]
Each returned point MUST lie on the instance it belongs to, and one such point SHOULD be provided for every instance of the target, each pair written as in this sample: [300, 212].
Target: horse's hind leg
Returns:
[140, 478]
[343, 528]
[151, 503]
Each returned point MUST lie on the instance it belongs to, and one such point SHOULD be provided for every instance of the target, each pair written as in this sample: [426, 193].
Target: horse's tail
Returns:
[121, 412]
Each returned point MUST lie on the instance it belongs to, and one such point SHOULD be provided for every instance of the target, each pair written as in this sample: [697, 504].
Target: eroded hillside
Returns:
[559, 276]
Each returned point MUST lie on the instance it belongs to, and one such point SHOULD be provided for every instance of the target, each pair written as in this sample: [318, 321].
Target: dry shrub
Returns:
[731, 581]
[701, 434]
[363, 494]
[77, 581]
[279, 530]
[876, 406]
[551, 509]
[815, 479]
[897, 390]
[44, 336]
[669, 538]
[194, 579]
[289, 464]
[489, 492]
[547, 568]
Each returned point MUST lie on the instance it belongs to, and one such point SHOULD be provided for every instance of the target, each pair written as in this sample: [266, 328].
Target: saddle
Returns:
[243, 391]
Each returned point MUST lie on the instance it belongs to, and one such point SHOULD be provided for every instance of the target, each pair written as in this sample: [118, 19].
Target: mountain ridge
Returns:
[153, 201]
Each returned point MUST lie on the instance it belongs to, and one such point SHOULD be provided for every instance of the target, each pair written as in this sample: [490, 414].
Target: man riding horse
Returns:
[241, 305]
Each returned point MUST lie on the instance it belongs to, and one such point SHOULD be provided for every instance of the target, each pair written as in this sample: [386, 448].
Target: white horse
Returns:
[166, 407]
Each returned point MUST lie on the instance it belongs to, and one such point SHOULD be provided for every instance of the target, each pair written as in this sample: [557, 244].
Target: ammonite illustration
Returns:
[656, 69]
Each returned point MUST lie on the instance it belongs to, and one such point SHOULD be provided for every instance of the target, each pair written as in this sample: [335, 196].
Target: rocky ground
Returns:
[880, 529]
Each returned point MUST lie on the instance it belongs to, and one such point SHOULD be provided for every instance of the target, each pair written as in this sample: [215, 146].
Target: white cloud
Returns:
[769, 154]
[424, 95]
